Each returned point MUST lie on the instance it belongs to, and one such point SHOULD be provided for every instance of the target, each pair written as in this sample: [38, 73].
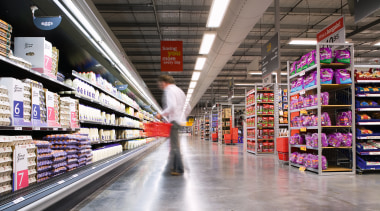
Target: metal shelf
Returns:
[368, 123]
[309, 169]
[75, 74]
[108, 125]
[264, 90]
[307, 128]
[367, 81]
[368, 109]
[265, 114]
[307, 108]
[13, 69]
[367, 137]
[337, 169]
[368, 95]
[369, 153]
[303, 90]
[334, 65]
[252, 104]
[114, 141]
[250, 116]
[250, 151]
[265, 102]
[101, 106]
[303, 145]
[23, 128]
[251, 127]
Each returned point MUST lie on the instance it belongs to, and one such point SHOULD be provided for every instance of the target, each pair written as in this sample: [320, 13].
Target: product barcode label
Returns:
[60, 182]
[18, 200]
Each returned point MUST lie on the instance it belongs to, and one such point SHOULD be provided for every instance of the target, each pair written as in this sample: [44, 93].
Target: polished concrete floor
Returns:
[221, 177]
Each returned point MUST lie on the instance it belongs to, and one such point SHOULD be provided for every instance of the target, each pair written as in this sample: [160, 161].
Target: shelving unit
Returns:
[223, 121]
[340, 159]
[202, 127]
[367, 147]
[207, 128]
[281, 111]
[261, 121]
[214, 126]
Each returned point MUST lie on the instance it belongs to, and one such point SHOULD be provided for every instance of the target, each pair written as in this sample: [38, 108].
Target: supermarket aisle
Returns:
[223, 178]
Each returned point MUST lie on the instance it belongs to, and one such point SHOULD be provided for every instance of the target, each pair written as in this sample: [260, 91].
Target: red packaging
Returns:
[265, 134]
[265, 147]
[271, 133]
[270, 121]
[271, 109]
[265, 121]
[271, 97]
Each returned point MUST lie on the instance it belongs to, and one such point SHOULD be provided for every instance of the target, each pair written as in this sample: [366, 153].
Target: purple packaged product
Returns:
[342, 56]
[325, 98]
[311, 58]
[302, 64]
[306, 102]
[308, 140]
[314, 163]
[299, 84]
[308, 160]
[325, 119]
[311, 79]
[324, 163]
[334, 139]
[314, 140]
[313, 100]
[300, 159]
[342, 76]
[293, 87]
[325, 55]
[314, 120]
[293, 69]
[347, 139]
[327, 75]
[300, 102]
[324, 141]
[293, 157]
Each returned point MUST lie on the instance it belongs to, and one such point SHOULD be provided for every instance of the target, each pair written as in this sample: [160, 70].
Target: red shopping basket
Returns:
[155, 129]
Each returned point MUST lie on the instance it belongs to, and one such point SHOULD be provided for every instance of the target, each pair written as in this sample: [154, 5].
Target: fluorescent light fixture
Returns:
[192, 85]
[260, 73]
[200, 63]
[190, 91]
[377, 43]
[195, 76]
[303, 41]
[82, 19]
[207, 41]
[217, 12]
[234, 96]
[244, 84]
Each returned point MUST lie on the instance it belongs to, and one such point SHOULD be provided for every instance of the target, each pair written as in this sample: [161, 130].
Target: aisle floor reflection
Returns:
[219, 177]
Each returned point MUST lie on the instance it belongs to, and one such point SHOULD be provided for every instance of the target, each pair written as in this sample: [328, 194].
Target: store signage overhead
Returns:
[364, 8]
[333, 33]
[171, 56]
[270, 59]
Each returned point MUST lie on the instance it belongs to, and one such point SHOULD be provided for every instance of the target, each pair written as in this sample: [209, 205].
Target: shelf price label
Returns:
[36, 112]
[303, 148]
[18, 109]
[302, 168]
[302, 73]
[302, 92]
[303, 111]
[303, 129]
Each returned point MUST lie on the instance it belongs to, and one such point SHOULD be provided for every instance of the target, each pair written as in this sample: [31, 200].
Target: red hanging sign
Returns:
[171, 56]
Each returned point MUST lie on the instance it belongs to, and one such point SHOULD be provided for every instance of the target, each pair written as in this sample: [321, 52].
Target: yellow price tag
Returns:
[303, 111]
[302, 168]
[303, 148]
[303, 129]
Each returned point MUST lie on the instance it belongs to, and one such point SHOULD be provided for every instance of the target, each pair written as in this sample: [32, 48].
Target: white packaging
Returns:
[37, 51]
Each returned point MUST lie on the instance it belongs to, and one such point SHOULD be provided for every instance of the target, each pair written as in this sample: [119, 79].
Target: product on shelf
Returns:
[106, 151]
[5, 38]
[44, 160]
[308, 160]
[5, 110]
[37, 51]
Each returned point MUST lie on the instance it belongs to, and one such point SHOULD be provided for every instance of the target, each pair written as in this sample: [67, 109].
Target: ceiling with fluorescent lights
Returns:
[139, 25]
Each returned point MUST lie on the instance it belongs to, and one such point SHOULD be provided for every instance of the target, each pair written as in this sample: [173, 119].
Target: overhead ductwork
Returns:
[240, 18]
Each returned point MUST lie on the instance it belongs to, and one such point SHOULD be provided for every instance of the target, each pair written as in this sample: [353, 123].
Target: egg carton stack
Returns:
[84, 150]
[42, 102]
[31, 149]
[44, 160]
[64, 112]
[59, 162]
[5, 109]
[5, 38]
[27, 103]
[64, 150]
[6, 165]
[54, 59]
